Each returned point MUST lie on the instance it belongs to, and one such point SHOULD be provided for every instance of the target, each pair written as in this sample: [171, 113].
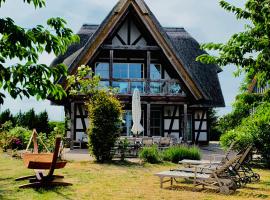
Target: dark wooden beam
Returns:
[148, 117]
[111, 67]
[200, 128]
[72, 126]
[148, 75]
[172, 121]
[82, 117]
[130, 47]
[185, 136]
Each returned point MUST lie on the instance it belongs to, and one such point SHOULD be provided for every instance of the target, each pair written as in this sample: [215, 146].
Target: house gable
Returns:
[111, 22]
[178, 47]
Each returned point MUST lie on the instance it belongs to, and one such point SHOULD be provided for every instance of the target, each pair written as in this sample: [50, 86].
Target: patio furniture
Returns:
[236, 171]
[147, 142]
[218, 179]
[41, 162]
[164, 143]
[156, 140]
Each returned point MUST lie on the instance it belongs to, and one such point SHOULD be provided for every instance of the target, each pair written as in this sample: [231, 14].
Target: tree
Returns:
[248, 50]
[29, 78]
[213, 121]
[6, 116]
[104, 111]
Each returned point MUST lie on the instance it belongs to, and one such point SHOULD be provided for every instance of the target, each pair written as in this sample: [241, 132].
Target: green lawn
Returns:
[95, 181]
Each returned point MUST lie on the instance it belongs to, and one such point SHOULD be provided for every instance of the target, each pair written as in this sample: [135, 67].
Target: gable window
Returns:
[102, 70]
[155, 71]
[128, 70]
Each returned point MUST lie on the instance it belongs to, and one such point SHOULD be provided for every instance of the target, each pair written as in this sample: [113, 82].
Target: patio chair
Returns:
[218, 179]
[213, 158]
[165, 142]
[147, 142]
[41, 162]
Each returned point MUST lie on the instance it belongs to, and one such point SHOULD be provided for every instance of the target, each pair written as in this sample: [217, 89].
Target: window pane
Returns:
[155, 71]
[138, 85]
[122, 87]
[155, 88]
[120, 70]
[102, 69]
[136, 70]
[175, 88]
[104, 84]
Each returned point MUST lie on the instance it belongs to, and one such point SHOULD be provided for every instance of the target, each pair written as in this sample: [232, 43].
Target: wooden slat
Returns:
[130, 47]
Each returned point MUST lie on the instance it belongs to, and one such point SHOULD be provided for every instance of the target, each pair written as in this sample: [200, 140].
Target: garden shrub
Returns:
[21, 134]
[4, 139]
[254, 130]
[150, 154]
[177, 153]
[104, 115]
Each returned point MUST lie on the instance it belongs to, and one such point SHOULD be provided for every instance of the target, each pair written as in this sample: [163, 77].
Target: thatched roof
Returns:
[185, 47]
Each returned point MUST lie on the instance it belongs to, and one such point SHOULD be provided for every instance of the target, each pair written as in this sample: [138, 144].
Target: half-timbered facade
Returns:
[130, 49]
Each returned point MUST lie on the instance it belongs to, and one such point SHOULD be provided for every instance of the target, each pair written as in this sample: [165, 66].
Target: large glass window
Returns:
[136, 70]
[128, 70]
[139, 85]
[120, 70]
[121, 86]
[155, 71]
[102, 69]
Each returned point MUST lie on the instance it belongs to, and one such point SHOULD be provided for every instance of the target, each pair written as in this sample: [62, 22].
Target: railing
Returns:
[146, 87]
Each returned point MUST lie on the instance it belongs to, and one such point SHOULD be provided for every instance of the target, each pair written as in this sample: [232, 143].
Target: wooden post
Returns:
[148, 75]
[72, 125]
[111, 67]
[35, 141]
[185, 134]
[148, 119]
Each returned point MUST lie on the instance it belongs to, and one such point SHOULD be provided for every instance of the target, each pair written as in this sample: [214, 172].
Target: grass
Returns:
[115, 181]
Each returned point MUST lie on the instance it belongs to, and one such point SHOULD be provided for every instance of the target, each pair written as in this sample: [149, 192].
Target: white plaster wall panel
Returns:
[167, 123]
[68, 134]
[116, 42]
[203, 136]
[142, 42]
[123, 32]
[79, 123]
[135, 33]
[87, 122]
[198, 115]
[197, 125]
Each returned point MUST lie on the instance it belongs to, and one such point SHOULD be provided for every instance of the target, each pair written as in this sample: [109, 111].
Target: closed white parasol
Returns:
[137, 128]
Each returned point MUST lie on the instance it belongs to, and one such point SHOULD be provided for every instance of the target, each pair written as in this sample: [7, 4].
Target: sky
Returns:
[205, 20]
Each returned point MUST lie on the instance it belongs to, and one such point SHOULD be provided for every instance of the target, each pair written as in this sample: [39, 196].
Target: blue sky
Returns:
[205, 20]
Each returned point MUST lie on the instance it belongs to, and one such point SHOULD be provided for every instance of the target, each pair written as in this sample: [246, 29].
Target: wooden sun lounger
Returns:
[218, 179]
[235, 169]
[41, 162]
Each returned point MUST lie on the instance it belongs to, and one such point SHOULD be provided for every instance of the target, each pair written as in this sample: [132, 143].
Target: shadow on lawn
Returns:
[57, 190]
[120, 163]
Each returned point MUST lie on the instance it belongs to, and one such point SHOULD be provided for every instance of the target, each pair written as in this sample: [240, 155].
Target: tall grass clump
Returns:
[177, 153]
[150, 154]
